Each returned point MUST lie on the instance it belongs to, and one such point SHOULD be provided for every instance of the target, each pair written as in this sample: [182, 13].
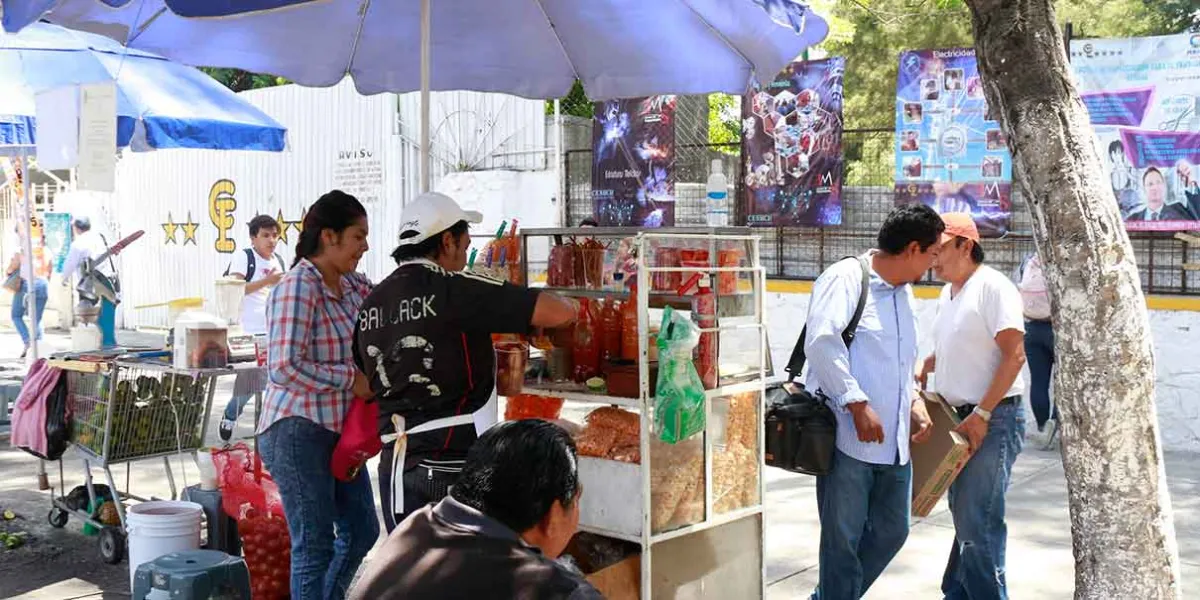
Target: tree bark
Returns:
[1121, 524]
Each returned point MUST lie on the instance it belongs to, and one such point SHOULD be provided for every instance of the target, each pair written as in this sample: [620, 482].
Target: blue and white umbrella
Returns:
[530, 48]
[160, 104]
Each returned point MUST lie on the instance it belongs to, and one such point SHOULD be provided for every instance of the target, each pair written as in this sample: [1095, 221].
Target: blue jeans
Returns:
[976, 567]
[296, 452]
[236, 406]
[40, 294]
[1039, 352]
[864, 510]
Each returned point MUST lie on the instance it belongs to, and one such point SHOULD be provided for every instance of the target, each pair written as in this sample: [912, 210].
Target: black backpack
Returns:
[250, 264]
[801, 429]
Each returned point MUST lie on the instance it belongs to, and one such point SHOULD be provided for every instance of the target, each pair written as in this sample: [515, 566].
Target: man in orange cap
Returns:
[979, 350]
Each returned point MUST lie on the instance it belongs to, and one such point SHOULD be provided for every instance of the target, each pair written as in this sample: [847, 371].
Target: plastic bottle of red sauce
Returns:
[629, 325]
[704, 313]
[587, 344]
[610, 329]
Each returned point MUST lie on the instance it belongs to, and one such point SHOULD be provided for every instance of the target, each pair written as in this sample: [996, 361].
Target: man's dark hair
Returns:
[1154, 170]
[83, 223]
[262, 222]
[516, 471]
[430, 247]
[589, 222]
[907, 224]
[1116, 146]
[976, 249]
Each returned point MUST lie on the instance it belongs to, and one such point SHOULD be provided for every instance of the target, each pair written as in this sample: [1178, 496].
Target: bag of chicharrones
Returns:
[249, 495]
[679, 399]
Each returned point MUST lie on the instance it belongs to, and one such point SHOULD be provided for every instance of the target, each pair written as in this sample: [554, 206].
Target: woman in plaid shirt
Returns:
[311, 319]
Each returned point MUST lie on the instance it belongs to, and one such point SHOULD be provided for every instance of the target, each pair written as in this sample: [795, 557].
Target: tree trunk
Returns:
[1121, 524]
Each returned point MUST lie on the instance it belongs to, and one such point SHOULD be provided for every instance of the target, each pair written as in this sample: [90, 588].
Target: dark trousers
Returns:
[1039, 355]
[416, 493]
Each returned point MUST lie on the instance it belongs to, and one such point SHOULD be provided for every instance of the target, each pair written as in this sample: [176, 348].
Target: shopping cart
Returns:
[129, 411]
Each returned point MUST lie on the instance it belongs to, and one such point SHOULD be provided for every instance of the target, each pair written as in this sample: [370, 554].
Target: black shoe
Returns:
[24, 352]
[225, 430]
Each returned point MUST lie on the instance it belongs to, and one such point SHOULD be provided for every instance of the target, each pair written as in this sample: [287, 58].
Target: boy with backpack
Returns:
[261, 268]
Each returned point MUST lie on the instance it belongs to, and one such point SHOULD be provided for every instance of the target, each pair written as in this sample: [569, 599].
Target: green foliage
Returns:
[724, 119]
[240, 81]
[576, 103]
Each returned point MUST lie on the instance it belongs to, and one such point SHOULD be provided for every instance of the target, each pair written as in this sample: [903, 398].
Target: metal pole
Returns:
[27, 251]
[558, 165]
[425, 52]
[27, 258]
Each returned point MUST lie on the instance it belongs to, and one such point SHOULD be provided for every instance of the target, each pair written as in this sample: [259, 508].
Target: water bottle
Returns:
[718, 192]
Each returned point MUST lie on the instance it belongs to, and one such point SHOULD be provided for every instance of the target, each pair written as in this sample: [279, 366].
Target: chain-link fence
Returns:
[867, 197]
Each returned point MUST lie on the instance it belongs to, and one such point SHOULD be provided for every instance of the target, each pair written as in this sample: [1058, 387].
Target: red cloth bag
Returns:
[360, 439]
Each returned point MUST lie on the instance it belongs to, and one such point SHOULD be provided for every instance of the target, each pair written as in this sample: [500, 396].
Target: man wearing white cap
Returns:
[424, 340]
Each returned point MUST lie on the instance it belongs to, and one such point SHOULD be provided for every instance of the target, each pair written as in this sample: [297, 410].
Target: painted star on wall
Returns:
[285, 225]
[189, 230]
[169, 228]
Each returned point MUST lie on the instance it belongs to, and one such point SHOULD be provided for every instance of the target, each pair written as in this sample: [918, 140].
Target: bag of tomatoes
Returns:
[249, 495]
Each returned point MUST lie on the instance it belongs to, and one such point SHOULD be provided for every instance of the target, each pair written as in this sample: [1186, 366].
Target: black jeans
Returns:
[1039, 355]
[421, 486]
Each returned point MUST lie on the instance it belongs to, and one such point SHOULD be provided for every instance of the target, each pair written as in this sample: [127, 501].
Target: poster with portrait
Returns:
[949, 154]
[1143, 97]
[633, 162]
[792, 144]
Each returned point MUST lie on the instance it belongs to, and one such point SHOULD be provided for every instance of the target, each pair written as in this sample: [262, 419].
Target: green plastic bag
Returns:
[679, 401]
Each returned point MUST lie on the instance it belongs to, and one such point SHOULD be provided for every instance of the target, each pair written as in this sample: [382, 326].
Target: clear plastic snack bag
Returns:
[679, 401]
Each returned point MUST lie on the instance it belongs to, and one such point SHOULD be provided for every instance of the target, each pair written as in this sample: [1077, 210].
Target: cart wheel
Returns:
[57, 518]
[112, 545]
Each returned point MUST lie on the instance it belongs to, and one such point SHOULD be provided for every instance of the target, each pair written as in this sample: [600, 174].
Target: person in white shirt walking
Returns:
[979, 350]
[1039, 346]
[90, 245]
[261, 268]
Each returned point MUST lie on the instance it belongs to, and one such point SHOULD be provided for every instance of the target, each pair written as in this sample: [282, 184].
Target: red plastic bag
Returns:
[249, 495]
[359, 441]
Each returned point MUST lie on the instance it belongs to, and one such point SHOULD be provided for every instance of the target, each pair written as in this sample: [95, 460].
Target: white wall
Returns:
[331, 133]
[1176, 335]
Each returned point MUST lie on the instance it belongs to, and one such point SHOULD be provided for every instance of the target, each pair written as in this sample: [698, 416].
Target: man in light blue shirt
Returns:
[865, 499]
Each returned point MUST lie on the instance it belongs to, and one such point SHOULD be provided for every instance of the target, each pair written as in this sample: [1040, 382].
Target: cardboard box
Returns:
[621, 581]
[939, 460]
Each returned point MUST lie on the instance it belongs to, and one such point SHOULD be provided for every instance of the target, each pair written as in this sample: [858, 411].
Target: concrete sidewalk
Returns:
[1040, 563]
[65, 564]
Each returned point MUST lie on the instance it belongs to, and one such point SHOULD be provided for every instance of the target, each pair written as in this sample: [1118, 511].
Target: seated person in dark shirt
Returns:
[511, 513]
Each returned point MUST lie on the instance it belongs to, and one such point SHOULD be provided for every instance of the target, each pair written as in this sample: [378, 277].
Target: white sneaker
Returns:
[1049, 434]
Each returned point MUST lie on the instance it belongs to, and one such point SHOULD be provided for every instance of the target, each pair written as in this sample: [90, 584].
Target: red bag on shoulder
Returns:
[360, 439]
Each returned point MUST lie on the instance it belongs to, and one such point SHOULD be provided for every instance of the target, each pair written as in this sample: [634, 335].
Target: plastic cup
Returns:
[511, 359]
[727, 283]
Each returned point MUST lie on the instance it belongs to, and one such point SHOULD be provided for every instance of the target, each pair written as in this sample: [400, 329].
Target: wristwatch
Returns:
[986, 415]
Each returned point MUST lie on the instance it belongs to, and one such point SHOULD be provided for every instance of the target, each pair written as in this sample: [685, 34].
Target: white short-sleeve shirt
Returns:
[254, 306]
[965, 335]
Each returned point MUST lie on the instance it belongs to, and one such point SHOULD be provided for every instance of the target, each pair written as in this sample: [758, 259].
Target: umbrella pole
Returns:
[30, 296]
[425, 51]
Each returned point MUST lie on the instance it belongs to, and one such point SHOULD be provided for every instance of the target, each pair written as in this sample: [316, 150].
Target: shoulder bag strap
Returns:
[796, 362]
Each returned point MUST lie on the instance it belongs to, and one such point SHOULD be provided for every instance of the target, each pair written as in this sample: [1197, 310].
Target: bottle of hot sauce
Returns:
[610, 326]
[629, 325]
[704, 313]
[587, 344]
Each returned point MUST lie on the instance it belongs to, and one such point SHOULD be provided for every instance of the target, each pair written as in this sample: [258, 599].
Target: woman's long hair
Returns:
[336, 210]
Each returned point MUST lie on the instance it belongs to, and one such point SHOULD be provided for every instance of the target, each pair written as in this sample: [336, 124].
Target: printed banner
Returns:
[633, 162]
[949, 154]
[1143, 96]
[792, 142]
[57, 238]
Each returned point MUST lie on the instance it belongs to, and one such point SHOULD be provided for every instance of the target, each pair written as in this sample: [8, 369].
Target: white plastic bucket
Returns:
[161, 527]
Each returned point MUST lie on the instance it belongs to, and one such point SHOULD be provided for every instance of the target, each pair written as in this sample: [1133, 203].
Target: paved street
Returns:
[64, 564]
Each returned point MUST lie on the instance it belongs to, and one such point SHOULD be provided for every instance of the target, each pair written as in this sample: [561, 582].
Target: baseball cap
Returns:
[959, 225]
[430, 214]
